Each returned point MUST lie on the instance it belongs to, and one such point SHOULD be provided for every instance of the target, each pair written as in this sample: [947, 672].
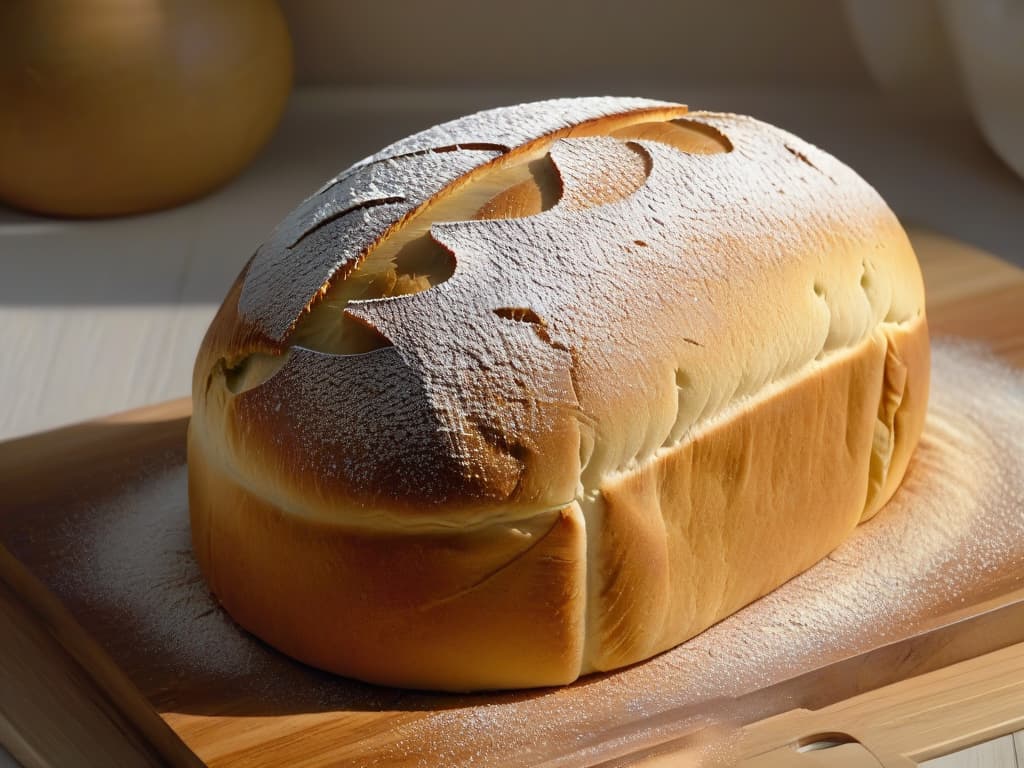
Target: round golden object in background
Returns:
[119, 107]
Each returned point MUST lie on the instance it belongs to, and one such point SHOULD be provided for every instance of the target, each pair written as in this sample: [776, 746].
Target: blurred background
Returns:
[148, 147]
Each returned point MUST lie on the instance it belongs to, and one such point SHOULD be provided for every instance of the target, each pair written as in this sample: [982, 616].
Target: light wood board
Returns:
[979, 701]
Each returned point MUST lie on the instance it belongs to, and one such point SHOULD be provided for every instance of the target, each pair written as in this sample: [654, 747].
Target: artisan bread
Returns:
[550, 389]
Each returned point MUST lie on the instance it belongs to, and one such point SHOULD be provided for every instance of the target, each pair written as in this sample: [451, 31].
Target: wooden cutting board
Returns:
[98, 513]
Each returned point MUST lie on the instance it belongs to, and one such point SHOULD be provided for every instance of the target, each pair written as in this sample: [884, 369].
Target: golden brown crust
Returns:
[566, 453]
[496, 608]
[751, 502]
[679, 276]
[680, 544]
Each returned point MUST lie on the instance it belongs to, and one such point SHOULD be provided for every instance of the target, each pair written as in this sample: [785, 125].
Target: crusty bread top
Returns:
[335, 226]
[671, 278]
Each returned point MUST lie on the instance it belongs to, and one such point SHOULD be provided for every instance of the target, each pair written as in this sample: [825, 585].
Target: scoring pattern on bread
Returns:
[655, 261]
[564, 311]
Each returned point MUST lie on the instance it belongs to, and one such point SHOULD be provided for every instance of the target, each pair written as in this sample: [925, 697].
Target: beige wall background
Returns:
[546, 44]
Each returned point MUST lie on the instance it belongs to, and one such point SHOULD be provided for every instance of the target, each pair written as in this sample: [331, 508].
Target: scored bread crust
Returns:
[619, 420]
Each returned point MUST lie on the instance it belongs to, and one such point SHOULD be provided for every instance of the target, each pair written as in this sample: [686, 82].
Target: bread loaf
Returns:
[550, 389]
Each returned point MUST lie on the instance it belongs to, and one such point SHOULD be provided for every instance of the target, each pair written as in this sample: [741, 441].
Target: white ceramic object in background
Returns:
[905, 49]
[943, 56]
[987, 37]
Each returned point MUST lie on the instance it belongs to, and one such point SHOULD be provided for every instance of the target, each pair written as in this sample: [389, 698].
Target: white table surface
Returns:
[101, 316]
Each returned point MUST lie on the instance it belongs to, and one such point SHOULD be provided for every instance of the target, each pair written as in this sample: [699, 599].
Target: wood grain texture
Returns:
[972, 294]
[63, 700]
[912, 721]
